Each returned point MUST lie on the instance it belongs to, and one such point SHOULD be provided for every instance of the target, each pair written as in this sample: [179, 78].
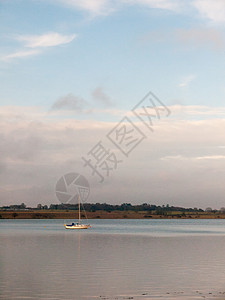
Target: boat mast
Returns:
[79, 207]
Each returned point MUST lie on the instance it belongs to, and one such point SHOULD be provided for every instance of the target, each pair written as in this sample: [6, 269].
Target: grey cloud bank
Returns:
[69, 102]
[181, 163]
[100, 96]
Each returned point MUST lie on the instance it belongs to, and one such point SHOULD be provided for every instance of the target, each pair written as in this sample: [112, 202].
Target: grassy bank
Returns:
[71, 214]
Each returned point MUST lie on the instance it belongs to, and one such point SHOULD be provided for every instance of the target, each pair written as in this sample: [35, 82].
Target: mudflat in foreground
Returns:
[71, 214]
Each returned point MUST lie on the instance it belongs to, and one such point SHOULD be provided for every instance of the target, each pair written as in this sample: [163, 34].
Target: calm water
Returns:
[115, 259]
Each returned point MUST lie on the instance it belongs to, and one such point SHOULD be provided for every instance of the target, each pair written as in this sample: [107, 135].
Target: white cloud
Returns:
[46, 40]
[38, 42]
[106, 7]
[201, 37]
[161, 4]
[187, 80]
[20, 54]
[197, 111]
[213, 10]
[205, 157]
[219, 157]
[95, 7]
[72, 104]
[173, 157]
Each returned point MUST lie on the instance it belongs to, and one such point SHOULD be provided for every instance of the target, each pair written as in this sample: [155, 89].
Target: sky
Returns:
[75, 75]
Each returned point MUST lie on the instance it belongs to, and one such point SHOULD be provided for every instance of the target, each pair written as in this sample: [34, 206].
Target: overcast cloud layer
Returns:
[181, 162]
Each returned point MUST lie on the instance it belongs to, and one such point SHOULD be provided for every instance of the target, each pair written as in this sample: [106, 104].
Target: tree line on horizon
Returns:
[91, 207]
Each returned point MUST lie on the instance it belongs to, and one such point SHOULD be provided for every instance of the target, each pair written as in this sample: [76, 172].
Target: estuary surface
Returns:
[115, 259]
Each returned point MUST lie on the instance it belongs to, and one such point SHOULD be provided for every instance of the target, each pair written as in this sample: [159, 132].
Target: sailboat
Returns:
[78, 225]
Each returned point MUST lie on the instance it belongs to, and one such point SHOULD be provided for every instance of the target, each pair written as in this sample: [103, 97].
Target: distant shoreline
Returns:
[100, 214]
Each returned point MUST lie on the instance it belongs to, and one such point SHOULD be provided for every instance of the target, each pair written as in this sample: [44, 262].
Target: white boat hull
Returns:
[77, 226]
